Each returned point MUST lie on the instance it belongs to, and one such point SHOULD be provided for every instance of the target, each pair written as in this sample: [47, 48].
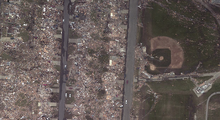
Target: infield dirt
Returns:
[177, 54]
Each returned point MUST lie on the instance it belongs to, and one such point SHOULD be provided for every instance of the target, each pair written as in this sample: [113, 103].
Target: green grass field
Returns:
[202, 79]
[214, 114]
[176, 101]
[198, 41]
[24, 35]
[172, 86]
[173, 107]
[70, 99]
[166, 53]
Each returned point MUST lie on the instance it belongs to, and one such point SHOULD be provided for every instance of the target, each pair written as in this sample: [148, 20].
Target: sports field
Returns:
[193, 29]
[176, 100]
[173, 107]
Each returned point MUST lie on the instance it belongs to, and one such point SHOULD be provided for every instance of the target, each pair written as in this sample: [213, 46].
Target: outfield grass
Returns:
[198, 42]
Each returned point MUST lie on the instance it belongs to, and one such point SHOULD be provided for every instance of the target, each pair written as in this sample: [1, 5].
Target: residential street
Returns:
[130, 55]
[64, 60]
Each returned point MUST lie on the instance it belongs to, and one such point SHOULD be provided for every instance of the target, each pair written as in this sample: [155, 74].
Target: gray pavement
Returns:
[65, 37]
[131, 42]
[207, 104]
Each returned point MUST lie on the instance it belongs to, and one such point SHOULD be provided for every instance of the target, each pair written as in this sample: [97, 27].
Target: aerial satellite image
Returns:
[109, 59]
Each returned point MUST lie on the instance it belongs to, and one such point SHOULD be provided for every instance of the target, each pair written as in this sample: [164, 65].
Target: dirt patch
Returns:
[152, 67]
[177, 55]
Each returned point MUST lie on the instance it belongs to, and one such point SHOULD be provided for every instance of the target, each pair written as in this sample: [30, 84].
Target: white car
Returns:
[126, 101]
[64, 66]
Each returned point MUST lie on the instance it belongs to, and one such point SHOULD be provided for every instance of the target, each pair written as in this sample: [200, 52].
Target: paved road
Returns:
[65, 36]
[131, 42]
[207, 104]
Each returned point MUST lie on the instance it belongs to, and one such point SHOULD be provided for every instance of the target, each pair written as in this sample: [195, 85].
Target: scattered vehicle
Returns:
[126, 101]
[121, 106]
[64, 66]
[126, 81]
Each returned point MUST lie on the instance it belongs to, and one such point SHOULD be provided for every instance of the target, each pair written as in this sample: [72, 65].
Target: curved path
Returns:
[207, 104]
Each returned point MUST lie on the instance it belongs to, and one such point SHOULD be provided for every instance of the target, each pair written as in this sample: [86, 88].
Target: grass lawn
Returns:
[176, 101]
[215, 88]
[71, 49]
[24, 35]
[142, 106]
[22, 101]
[69, 99]
[198, 41]
[202, 79]
[173, 107]
[172, 86]
[166, 53]
[201, 108]
[73, 34]
[5, 56]
[214, 114]
[3, 32]
[70, 82]
[57, 67]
